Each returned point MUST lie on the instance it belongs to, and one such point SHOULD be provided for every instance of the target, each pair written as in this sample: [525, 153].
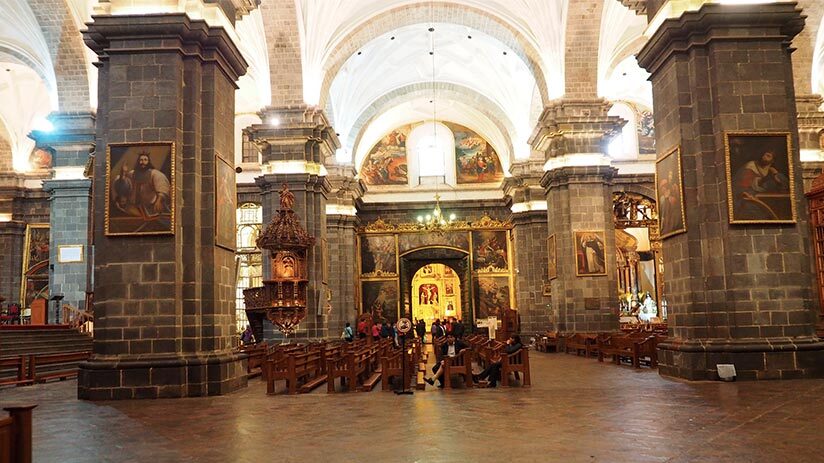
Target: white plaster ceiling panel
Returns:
[21, 36]
[254, 88]
[324, 24]
[25, 101]
[619, 76]
[479, 64]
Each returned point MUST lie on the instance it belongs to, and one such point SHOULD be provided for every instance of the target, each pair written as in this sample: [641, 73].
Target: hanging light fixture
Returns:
[436, 220]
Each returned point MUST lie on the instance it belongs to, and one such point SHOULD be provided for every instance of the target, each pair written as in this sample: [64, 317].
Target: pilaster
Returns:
[738, 293]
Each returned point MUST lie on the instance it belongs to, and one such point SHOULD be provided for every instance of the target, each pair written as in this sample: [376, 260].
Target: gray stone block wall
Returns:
[530, 246]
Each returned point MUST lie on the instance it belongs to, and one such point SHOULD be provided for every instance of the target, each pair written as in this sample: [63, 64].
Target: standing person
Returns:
[348, 333]
[447, 328]
[363, 331]
[458, 329]
[376, 331]
[420, 329]
[247, 337]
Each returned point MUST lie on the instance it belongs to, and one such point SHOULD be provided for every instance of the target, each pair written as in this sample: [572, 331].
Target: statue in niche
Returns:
[649, 309]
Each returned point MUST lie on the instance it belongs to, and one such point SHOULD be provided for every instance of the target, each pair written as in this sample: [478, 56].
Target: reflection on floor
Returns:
[577, 410]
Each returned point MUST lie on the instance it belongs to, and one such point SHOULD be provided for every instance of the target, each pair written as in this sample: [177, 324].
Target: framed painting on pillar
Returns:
[225, 210]
[140, 189]
[552, 257]
[669, 192]
[760, 185]
[590, 254]
[34, 283]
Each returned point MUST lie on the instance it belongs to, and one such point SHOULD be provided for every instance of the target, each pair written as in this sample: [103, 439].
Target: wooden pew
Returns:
[460, 365]
[257, 355]
[582, 342]
[19, 363]
[391, 367]
[69, 371]
[15, 435]
[633, 347]
[517, 362]
[545, 342]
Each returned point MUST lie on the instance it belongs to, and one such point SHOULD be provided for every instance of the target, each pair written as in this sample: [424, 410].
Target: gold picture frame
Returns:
[760, 177]
[586, 248]
[552, 257]
[225, 205]
[669, 194]
[28, 268]
[138, 212]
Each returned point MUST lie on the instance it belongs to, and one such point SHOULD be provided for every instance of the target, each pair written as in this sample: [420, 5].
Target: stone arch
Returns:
[6, 158]
[283, 36]
[643, 186]
[580, 46]
[445, 90]
[454, 258]
[419, 13]
[68, 53]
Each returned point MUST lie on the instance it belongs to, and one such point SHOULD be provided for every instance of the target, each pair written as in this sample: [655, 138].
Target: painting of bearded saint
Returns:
[760, 184]
[140, 187]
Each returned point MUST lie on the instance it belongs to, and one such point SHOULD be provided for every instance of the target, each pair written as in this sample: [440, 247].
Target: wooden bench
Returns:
[460, 365]
[15, 435]
[633, 347]
[391, 367]
[545, 342]
[580, 342]
[294, 368]
[517, 362]
[19, 364]
[68, 371]
[256, 356]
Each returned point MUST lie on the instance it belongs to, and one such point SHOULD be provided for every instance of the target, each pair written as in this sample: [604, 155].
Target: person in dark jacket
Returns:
[451, 348]
[420, 329]
[493, 371]
[457, 329]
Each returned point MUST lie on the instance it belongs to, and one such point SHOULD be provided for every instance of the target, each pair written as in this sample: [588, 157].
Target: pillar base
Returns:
[161, 376]
[754, 359]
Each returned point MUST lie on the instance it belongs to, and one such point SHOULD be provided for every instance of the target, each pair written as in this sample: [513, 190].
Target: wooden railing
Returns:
[79, 319]
[15, 435]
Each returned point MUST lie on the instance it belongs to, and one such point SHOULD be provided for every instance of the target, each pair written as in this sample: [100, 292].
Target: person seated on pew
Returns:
[450, 348]
[493, 371]
[247, 337]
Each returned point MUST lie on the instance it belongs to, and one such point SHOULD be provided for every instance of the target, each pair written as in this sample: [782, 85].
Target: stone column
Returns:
[164, 304]
[341, 223]
[12, 238]
[71, 141]
[293, 152]
[529, 232]
[574, 135]
[738, 294]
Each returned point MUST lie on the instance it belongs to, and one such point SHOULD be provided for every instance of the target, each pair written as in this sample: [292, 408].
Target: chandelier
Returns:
[436, 220]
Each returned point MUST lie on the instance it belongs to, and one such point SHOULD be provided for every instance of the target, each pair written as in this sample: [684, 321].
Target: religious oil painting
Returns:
[386, 163]
[760, 187]
[35, 281]
[475, 159]
[378, 255]
[225, 197]
[552, 257]
[491, 296]
[41, 158]
[669, 186]
[140, 188]
[489, 251]
[380, 299]
[448, 286]
[428, 294]
[590, 253]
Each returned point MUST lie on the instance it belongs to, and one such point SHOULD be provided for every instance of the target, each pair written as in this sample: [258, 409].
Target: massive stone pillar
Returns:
[341, 223]
[529, 232]
[739, 294]
[164, 303]
[578, 180]
[294, 143]
[71, 141]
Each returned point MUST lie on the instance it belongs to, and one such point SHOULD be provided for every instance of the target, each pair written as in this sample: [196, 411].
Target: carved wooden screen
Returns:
[816, 197]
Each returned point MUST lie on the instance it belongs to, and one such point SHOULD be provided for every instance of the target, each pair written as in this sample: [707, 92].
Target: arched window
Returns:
[624, 145]
[249, 257]
[432, 144]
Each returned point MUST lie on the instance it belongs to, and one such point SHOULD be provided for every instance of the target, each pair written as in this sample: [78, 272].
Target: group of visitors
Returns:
[453, 346]
[449, 327]
[377, 331]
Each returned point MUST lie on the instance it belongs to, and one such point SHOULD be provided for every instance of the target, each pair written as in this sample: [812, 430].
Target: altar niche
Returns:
[435, 285]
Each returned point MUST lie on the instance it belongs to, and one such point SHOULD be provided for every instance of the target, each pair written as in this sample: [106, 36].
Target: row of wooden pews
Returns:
[637, 347]
[484, 351]
[53, 366]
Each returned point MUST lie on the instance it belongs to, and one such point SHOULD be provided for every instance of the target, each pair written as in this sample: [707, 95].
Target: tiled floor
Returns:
[576, 411]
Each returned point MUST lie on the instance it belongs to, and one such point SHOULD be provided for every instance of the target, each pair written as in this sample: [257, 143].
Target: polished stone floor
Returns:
[577, 410]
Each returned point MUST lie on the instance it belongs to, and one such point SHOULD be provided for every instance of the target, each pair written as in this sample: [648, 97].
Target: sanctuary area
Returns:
[230, 202]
